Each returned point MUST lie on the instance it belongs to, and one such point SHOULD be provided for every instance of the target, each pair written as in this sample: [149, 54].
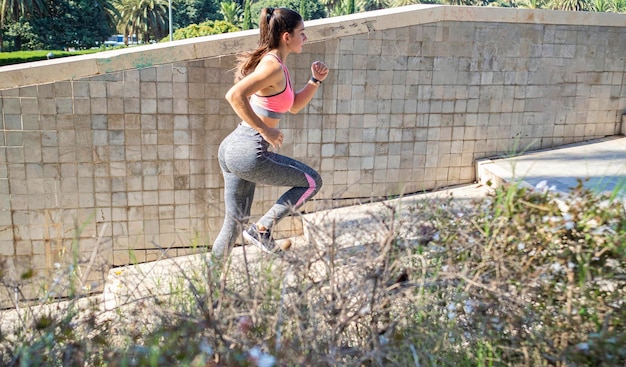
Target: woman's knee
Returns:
[318, 181]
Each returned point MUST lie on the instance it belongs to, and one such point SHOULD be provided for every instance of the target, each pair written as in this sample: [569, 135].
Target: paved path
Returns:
[602, 163]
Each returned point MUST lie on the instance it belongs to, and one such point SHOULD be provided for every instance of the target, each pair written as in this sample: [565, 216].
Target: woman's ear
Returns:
[286, 37]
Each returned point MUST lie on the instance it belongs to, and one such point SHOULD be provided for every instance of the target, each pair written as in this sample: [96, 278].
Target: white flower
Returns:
[383, 340]
[542, 185]
[583, 347]
[606, 285]
[563, 207]
[255, 353]
[556, 267]
[266, 360]
[206, 348]
[612, 263]
[520, 246]
[365, 310]
[262, 359]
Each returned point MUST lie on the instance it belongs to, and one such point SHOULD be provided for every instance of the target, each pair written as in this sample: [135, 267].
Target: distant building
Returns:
[118, 40]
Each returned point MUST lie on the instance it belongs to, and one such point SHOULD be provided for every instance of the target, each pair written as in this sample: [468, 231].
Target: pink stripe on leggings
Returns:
[307, 194]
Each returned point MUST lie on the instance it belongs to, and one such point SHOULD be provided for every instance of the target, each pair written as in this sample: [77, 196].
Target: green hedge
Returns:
[18, 57]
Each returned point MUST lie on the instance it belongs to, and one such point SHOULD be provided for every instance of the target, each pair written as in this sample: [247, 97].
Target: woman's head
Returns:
[273, 23]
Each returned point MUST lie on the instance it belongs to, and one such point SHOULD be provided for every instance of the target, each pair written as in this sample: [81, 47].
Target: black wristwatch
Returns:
[316, 81]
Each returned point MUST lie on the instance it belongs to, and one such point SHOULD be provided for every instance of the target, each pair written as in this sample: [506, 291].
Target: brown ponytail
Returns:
[273, 22]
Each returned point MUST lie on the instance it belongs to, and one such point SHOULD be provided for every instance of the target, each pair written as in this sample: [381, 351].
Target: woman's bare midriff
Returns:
[269, 122]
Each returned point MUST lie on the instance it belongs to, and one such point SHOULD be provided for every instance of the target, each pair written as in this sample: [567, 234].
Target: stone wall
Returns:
[112, 157]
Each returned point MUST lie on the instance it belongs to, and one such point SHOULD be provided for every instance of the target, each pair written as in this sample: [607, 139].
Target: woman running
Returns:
[261, 95]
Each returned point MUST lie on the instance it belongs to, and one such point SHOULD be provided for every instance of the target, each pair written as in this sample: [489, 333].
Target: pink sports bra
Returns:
[276, 105]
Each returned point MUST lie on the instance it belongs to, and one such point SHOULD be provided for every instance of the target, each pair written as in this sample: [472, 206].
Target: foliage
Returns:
[600, 5]
[187, 12]
[369, 5]
[571, 5]
[525, 277]
[203, 29]
[148, 19]
[76, 24]
[315, 10]
[22, 31]
[231, 12]
[16, 9]
[617, 6]
[247, 16]
[531, 4]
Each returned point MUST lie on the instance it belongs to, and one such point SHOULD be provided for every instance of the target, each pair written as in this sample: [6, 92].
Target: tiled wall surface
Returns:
[113, 157]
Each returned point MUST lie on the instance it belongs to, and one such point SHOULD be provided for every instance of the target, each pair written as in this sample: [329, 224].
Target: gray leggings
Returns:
[245, 161]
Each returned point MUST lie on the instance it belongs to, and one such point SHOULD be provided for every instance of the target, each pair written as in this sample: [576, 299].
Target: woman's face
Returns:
[297, 38]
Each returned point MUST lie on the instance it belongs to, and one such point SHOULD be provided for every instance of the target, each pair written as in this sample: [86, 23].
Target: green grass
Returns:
[18, 57]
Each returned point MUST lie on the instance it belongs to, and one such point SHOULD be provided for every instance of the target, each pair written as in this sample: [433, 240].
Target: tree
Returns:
[303, 9]
[187, 12]
[231, 11]
[600, 5]
[247, 16]
[315, 8]
[147, 19]
[617, 6]
[368, 5]
[342, 8]
[16, 10]
[531, 4]
[398, 3]
[573, 5]
[332, 5]
[351, 7]
[75, 24]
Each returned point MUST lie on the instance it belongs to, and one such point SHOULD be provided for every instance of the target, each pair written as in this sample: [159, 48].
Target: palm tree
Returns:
[247, 15]
[231, 11]
[600, 5]
[573, 5]
[367, 5]
[145, 18]
[617, 6]
[398, 3]
[13, 10]
[531, 4]
[112, 15]
[332, 5]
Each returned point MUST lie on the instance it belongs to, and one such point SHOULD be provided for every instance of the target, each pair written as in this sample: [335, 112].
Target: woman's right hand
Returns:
[273, 135]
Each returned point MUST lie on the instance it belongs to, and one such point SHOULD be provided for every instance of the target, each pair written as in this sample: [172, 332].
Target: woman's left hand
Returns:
[319, 70]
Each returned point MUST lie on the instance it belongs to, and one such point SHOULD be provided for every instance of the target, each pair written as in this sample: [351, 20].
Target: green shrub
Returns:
[207, 28]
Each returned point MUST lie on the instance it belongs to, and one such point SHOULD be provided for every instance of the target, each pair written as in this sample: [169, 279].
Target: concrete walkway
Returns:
[601, 164]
